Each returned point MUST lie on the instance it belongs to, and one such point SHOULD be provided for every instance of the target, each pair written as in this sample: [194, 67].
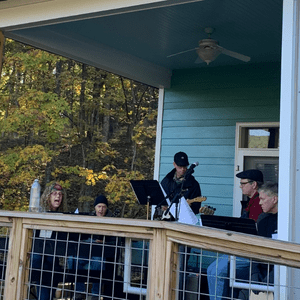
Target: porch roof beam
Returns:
[32, 13]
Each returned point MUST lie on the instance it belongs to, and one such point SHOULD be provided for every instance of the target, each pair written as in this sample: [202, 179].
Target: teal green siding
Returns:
[201, 110]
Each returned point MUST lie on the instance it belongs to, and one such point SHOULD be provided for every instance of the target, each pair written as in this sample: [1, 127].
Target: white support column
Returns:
[295, 232]
[158, 132]
[289, 158]
[158, 138]
[288, 117]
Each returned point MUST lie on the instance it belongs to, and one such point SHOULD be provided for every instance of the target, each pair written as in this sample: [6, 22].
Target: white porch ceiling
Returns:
[133, 38]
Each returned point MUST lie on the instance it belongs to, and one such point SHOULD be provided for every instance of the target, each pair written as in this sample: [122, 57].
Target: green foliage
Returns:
[120, 193]
[61, 120]
[37, 115]
[21, 166]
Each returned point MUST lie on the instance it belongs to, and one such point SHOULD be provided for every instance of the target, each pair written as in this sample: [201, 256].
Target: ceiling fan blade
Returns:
[181, 52]
[235, 55]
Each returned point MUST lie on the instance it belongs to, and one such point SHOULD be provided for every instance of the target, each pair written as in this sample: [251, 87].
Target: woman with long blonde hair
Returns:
[53, 198]
[44, 266]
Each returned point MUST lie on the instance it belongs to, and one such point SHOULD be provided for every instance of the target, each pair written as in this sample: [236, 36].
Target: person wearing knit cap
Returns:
[101, 207]
[101, 210]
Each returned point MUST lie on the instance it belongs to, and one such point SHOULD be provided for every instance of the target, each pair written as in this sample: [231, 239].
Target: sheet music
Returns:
[185, 215]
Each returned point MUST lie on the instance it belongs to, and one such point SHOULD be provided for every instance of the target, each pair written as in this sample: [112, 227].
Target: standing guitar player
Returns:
[176, 183]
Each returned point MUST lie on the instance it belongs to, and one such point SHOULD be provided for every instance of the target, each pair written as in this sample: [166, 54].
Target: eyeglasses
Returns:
[243, 183]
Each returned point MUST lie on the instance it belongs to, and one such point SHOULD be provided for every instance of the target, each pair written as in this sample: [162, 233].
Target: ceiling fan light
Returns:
[208, 55]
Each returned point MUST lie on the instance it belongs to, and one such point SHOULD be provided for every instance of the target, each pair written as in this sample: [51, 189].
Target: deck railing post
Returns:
[26, 244]
[13, 260]
[171, 267]
[158, 262]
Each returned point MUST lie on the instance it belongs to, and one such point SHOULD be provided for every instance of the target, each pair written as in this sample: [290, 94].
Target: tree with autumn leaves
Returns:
[61, 120]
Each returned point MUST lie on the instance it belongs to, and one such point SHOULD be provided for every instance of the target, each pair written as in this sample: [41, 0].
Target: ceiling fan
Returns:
[209, 50]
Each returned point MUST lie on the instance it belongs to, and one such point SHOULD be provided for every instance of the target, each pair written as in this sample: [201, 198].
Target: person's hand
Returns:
[164, 207]
[207, 210]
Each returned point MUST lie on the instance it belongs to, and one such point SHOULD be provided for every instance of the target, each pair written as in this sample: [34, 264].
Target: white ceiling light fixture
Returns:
[210, 49]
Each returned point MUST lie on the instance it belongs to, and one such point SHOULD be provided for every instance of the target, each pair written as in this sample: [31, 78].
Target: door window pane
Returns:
[260, 138]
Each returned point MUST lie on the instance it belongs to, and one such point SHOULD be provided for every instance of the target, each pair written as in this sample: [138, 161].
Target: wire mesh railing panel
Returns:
[208, 275]
[85, 266]
[4, 240]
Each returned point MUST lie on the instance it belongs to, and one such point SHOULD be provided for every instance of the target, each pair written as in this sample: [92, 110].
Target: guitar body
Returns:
[165, 215]
[205, 210]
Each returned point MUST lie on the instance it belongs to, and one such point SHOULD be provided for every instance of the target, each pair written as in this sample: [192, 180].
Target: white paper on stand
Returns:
[186, 215]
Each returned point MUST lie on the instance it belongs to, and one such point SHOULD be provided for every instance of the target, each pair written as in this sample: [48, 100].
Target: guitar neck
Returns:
[197, 199]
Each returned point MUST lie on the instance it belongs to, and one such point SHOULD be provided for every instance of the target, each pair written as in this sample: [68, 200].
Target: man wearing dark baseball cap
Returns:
[175, 181]
[181, 159]
[251, 181]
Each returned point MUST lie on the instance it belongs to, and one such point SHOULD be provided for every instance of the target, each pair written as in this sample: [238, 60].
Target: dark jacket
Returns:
[266, 227]
[267, 224]
[190, 189]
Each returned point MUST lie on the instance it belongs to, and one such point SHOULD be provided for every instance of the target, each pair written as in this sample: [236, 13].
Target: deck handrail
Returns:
[164, 238]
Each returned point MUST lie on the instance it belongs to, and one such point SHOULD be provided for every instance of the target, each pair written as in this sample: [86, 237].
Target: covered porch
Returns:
[199, 108]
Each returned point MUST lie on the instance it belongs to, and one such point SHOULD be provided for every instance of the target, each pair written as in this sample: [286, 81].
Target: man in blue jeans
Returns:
[218, 271]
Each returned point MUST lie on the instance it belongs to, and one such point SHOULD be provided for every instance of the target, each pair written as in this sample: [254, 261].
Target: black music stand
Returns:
[230, 223]
[147, 192]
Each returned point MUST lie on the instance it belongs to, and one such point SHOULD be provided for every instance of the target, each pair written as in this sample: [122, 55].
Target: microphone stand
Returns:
[164, 200]
[176, 201]
[188, 173]
[186, 176]
[178, 196]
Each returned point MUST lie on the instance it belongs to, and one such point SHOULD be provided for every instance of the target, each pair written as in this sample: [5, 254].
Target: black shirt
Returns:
[190, 189]
[267, 224]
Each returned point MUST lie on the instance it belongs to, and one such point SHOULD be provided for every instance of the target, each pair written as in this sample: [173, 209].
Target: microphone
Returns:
[190, 170]
[194, 165]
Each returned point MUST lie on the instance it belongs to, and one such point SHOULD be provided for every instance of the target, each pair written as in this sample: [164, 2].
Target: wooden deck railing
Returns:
[164, 239]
